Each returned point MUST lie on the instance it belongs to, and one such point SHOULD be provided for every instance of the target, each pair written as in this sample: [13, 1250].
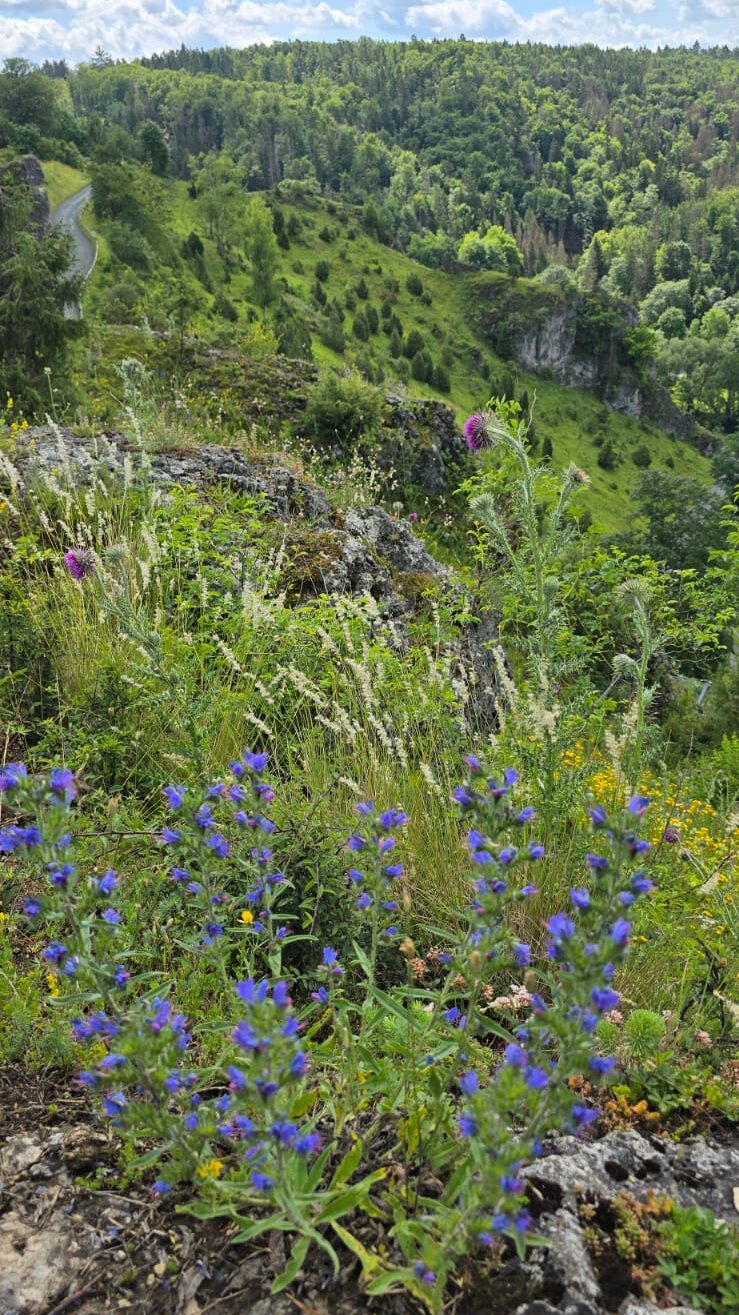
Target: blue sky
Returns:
[39, 29]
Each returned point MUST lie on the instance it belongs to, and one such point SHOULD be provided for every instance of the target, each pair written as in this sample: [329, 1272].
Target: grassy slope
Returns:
[61, 181]
[572, 418]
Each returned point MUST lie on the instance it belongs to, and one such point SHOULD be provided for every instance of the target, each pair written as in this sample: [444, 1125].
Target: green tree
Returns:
[36, 284]
[154, 148]
[262, 252]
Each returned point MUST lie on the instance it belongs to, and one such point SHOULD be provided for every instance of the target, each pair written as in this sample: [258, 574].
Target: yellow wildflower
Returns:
[211, 1169]
[248, 917]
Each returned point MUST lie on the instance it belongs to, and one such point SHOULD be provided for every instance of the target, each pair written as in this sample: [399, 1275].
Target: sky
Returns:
[72, 29]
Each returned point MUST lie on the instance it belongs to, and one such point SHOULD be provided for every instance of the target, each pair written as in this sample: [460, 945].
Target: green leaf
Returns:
[293, 1266]
[347, 1201]
[371, 1265]
[347, 1166]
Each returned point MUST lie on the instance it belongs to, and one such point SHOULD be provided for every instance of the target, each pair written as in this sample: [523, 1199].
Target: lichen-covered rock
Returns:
[28, 172]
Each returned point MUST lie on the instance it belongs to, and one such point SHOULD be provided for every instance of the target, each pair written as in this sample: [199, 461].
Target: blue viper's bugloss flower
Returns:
[515, 1055]
[175, 795]
[32, 908]
[54, 952]
[467, 1125]
[536, 1078]
[469, 1082]
[620, 932]
[638, 805]
[170, 836]
[580, 898]
[261, 1182]
[11, 775]
[536, 851]
[425, 1274]
[604, 998]
[62, 782]
[581, 1115]
[596, 862]
[114, 1103]
[525, 815]
[161, 1187]
[560, 927]
[108, 882]
[112, 916]
[602, 1064]
[641, 884]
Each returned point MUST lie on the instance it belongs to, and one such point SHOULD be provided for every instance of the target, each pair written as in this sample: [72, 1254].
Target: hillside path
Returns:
[67, 214]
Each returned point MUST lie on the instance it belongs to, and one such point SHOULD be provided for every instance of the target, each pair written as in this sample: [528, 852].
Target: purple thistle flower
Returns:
[475, 431]
[80, 562]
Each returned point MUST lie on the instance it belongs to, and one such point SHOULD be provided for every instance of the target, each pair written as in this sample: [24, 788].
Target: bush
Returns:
[341, 408]
[414, 285]
[641, 456]
[414, 344]
[360, 328]
[325, 234]
[362, 290]
[225, 308]
[440, 379]
[323, 269]
[607, 457]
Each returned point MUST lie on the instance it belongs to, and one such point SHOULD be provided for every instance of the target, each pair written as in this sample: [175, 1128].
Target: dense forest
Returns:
[610, 172]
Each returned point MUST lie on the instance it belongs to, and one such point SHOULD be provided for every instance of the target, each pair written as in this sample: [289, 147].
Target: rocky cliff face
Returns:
[27, 172]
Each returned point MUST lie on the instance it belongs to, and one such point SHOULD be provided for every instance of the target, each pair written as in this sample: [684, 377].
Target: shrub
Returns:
[323, 269]
[360, 328]
[414, 285]
[362, 290]
[225, 308]
[414, 344]
[641, 456]
[341, 408]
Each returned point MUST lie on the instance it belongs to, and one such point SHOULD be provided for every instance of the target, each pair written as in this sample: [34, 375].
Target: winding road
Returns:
[67, 215]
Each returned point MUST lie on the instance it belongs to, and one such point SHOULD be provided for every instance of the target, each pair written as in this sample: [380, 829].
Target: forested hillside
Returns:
[606, 174]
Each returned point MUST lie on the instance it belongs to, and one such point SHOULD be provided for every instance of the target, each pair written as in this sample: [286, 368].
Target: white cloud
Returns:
[40, 29]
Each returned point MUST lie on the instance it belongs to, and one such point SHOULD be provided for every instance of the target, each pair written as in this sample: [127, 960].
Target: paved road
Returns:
[85, 248]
